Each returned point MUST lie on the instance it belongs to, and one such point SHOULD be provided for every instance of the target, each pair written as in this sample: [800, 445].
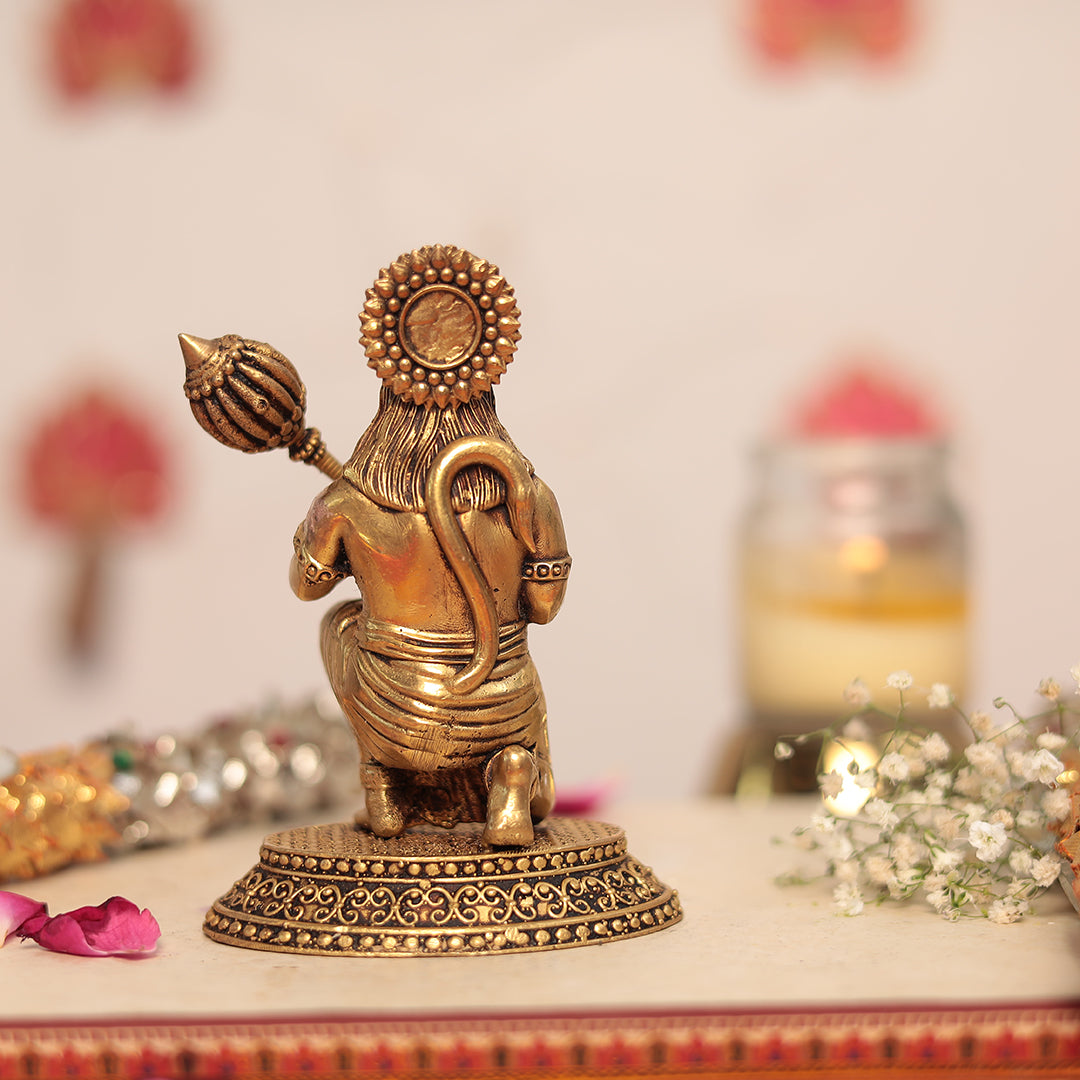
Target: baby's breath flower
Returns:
[947, 823]
[912, 754]
[940, 696]
[782, 751]
[938, 899]
[856, 694]
[866, 779]
[837, 847]
[1049, 688]
[988, 840]
[1055, 804]
[1020, 862]
[831, 784]
[1046, 871]
[936, 795]
[934, 748]
[880, 869]
[922, 814]
[1050, 740]
[1042, 766]
[907, 851]
[945, 860]
[904, 883]
[893, 767]
[973, 837]
[968, 782]
[881, 813]
[848, 899]
[856, 730]
[988, 760]
[848, 871]
[1074, 671]
[1006, 910]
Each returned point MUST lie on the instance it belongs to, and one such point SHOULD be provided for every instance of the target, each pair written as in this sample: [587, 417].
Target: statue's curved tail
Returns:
[520, 496]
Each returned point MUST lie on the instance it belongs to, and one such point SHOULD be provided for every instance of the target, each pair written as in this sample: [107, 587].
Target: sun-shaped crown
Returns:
[439, 326]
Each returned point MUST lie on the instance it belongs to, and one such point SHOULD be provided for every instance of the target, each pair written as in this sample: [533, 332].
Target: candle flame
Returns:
[864, 554]
[848, 758]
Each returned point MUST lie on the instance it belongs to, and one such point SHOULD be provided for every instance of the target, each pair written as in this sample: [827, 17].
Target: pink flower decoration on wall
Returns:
[95, 468]
[99, 45]
[788, 31]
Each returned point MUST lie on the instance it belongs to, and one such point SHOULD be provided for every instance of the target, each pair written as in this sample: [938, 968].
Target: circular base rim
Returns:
[337, 890]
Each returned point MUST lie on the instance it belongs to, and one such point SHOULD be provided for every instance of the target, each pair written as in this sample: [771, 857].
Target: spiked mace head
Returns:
[249, 396]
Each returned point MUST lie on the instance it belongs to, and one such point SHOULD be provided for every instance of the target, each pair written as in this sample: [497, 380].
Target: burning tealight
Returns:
[849, 760]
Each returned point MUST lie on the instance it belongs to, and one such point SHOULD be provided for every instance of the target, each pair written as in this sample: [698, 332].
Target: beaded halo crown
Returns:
[439, 326]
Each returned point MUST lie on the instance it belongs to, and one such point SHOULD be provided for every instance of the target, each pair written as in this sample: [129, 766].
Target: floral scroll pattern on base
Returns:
[338, 890]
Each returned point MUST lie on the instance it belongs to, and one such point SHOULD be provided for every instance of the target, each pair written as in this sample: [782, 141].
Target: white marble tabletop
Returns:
[744, 942]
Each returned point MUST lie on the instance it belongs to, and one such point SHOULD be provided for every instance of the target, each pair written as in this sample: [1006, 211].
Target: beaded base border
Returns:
[337, 890]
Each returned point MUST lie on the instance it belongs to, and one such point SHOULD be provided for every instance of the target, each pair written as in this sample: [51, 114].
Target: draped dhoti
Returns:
[391, 683]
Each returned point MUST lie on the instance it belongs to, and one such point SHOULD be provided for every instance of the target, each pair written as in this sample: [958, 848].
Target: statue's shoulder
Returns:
[545, 498]
[344, 500]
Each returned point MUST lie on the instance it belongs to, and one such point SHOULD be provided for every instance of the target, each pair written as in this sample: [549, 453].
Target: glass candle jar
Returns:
[852, 565]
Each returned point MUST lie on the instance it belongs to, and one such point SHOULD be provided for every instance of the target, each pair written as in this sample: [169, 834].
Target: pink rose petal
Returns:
[15, 911]
[115, 928]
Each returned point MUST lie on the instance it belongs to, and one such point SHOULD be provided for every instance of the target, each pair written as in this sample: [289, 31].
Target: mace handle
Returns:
[311, 450]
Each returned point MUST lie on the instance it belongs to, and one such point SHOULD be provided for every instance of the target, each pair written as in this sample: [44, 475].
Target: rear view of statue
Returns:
[454, 546]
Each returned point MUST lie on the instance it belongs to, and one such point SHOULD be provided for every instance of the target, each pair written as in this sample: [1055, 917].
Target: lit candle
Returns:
[840, 756]
[852, 565]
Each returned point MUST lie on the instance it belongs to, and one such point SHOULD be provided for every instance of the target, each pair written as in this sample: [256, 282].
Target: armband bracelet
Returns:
[546, 569]
[314, 572]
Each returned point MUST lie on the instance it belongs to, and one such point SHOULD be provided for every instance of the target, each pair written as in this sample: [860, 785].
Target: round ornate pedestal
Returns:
[337, 890]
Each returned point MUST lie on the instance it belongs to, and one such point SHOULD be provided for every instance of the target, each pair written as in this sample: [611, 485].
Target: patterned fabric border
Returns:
[1022, 1040]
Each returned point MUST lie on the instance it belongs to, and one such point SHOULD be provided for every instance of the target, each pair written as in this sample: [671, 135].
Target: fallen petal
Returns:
[15, 911]
[114, 928]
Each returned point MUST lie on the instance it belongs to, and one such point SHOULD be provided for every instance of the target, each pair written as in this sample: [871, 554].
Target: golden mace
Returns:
[250, 397]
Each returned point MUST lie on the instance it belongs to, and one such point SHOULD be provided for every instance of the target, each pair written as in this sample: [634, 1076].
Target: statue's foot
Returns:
[511, 775]
[382, 814]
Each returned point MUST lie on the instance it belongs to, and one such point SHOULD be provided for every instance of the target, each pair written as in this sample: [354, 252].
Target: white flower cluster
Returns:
[972, 831]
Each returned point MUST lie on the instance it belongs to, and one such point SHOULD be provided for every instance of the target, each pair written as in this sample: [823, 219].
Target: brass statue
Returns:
[455, 545]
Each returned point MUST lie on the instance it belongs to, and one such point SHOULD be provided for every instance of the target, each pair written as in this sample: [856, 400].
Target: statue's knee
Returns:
[335, 625]
[337, 620]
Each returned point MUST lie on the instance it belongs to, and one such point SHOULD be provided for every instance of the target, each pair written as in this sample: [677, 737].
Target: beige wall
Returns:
[690, 239]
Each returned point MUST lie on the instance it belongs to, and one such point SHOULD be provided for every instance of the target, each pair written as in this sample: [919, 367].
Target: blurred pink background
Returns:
[694, 233]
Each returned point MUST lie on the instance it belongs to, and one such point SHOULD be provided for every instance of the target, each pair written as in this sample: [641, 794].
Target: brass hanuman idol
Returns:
[455, 545]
